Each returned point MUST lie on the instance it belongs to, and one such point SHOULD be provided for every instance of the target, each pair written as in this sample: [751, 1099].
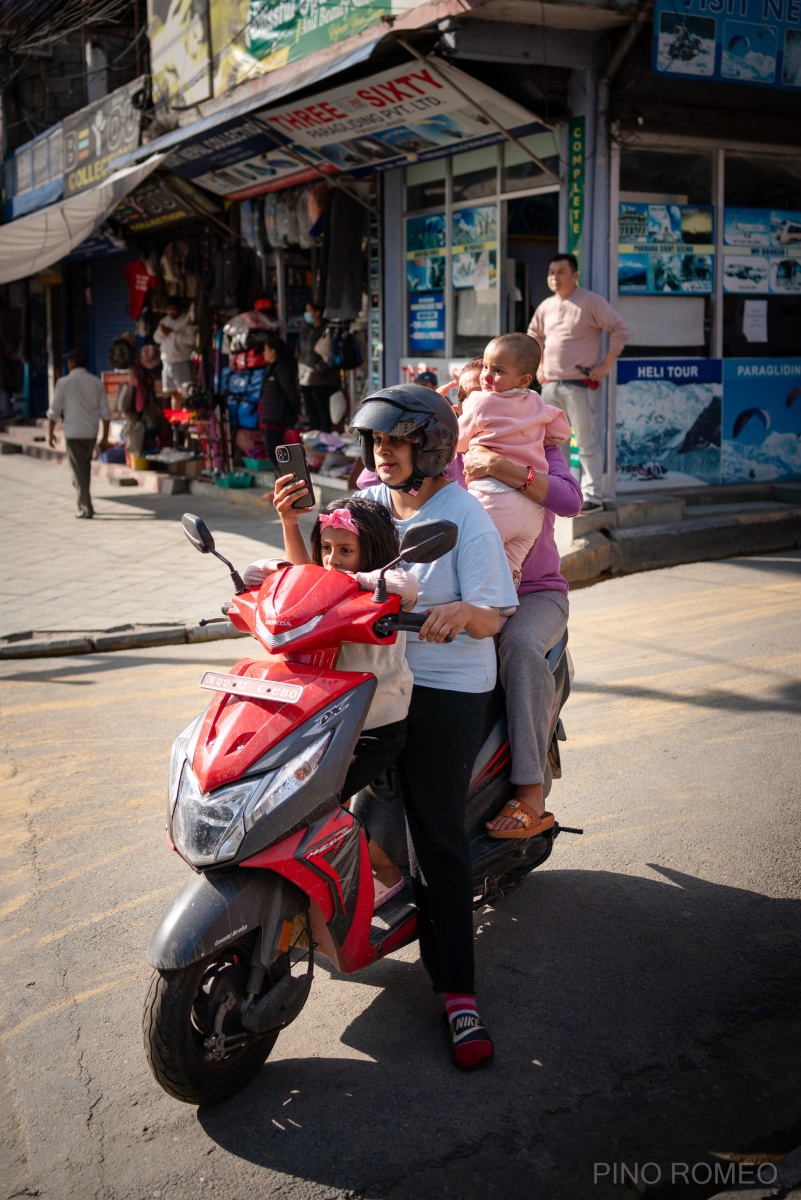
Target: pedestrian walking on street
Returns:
[79, 400]
[568, 326]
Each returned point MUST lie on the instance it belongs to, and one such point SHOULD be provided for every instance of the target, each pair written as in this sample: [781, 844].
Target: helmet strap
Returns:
[411, 487]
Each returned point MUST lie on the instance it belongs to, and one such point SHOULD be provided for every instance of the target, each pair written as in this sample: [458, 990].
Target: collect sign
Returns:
[97, 135]
[732, 41]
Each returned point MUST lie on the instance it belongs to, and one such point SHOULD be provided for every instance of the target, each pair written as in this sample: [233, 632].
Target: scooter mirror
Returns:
[427, 541]
[198, 533]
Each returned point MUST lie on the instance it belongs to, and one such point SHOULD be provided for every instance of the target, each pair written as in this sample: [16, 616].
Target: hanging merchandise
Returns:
[140, 280]
[271, 218]
[122, 352]
[150, 357]
[345, 232]
[251, 225]
[282, 207]
[248, 331]
[242, 390]
[344, 353]
[228, 282]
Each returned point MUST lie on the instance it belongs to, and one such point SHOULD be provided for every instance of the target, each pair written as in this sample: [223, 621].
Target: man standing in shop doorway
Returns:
[175, 335]
[568, 326]
[79, 400]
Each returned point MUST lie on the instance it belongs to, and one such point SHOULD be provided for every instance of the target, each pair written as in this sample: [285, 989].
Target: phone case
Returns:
[293, 458]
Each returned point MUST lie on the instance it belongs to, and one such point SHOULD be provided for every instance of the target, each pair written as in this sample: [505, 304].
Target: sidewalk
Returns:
[131, 565]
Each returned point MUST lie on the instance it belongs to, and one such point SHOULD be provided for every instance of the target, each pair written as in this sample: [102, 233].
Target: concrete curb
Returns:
[649, 547]
[131, 637]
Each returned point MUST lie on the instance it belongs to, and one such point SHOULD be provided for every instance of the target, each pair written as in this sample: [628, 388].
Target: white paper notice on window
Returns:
[755, 320]
[481, 274]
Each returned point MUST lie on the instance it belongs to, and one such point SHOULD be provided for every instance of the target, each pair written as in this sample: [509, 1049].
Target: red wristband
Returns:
[529, 480]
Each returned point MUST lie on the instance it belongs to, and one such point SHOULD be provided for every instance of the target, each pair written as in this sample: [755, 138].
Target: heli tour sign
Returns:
[731, 41]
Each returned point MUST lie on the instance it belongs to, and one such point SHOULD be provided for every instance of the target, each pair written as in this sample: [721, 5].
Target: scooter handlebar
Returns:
[402, 622]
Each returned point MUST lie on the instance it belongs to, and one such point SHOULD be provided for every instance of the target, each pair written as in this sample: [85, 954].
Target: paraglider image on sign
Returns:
[761, 46]
[761, 431]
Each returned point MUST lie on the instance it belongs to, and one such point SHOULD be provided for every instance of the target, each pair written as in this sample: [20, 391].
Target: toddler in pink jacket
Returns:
[509, 418]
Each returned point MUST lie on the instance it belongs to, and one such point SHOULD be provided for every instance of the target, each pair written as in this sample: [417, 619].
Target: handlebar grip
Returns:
[412, 623]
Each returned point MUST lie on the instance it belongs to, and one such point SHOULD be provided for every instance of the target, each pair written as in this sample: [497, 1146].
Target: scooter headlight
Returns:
[287, 780]
[207, 827]
[182, 750]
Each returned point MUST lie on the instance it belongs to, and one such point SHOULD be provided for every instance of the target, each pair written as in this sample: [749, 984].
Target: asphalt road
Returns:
[643, 987]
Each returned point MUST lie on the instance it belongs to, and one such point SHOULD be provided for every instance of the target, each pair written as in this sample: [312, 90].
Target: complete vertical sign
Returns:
[575, 195]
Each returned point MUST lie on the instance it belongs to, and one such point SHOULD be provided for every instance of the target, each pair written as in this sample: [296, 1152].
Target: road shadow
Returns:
[635, 1019]
[786, 696]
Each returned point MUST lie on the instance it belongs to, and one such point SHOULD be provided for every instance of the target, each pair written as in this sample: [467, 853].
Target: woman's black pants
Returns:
[444, 733]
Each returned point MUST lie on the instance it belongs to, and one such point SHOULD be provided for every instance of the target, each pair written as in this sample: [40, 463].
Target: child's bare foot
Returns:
[528, 794]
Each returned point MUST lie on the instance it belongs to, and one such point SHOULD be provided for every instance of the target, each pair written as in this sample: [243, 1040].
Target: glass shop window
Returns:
[475, 174]
[519, 171]
[474, 276]
[425, 185]
[666, 252]
[761, 269]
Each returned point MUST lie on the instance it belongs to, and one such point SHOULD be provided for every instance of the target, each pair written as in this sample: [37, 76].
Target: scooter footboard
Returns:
[212, 910]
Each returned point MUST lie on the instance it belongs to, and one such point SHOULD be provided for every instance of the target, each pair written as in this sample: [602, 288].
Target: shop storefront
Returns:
[479, 230]
[707, 273]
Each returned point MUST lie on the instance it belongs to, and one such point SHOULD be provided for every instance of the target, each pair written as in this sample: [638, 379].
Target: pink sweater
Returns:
[516, 425]
[569, 329]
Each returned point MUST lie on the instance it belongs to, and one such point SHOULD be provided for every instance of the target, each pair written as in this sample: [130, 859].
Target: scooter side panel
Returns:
[212, 910]
[330, 862]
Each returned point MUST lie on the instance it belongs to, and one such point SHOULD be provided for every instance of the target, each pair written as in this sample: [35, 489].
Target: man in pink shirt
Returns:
[568, 327]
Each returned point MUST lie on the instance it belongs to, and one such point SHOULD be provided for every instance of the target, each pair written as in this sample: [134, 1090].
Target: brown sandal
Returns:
[531, 825]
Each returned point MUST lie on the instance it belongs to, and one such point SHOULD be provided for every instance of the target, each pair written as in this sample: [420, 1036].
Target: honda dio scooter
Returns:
[280, 867]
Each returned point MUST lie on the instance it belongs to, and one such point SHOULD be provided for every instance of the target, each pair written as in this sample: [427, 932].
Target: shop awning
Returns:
[408, 113]
[42, 238]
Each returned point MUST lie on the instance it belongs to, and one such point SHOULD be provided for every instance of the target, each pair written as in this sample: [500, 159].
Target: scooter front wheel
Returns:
[195, 1044]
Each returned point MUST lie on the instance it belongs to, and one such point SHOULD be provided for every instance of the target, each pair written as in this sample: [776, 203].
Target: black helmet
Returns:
[413, 413]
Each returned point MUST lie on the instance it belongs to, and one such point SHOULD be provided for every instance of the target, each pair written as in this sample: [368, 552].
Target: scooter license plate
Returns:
[257, 689]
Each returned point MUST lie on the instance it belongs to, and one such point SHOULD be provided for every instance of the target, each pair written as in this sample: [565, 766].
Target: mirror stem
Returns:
[236, 578]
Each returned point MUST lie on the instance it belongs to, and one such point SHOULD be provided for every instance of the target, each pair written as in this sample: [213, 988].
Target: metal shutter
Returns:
[109, 306]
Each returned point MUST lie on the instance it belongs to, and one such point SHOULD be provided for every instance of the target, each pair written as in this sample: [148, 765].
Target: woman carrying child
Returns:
[408, 437]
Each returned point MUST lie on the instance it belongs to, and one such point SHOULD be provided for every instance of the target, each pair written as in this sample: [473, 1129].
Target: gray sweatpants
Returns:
[539, 621]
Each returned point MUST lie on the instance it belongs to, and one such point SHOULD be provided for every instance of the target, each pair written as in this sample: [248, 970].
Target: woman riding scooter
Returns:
[408, 437]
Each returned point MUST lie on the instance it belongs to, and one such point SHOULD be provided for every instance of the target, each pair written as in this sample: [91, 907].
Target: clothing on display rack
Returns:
[140, 280]
[345, 232]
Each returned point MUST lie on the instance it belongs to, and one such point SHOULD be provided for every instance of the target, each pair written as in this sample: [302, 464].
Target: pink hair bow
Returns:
[340, 518]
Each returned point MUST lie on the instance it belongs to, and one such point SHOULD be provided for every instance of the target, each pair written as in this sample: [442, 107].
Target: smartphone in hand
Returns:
[292, 460]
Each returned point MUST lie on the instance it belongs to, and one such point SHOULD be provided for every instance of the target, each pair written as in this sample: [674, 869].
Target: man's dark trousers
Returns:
[79, 454]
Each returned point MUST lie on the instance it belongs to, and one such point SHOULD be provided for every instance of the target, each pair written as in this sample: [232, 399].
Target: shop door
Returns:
[532, 237]
[110, 318]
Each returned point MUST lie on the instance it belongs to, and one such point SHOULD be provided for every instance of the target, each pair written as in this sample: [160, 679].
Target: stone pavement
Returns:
[130, 565]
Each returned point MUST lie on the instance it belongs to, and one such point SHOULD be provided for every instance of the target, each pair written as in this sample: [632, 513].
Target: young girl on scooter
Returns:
[358, 536]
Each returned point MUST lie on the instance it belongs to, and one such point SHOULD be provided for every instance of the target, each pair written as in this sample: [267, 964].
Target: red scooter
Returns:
[281, 868]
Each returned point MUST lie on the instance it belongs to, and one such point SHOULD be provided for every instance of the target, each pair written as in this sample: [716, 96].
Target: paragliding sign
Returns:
[761, 429]
[761, 46]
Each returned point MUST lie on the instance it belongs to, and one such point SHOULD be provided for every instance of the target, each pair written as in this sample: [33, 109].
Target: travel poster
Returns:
[668, 421]
[474, 247]
[765, 254]
[425, 253]
[761, 419]
[665, 249]
[758, 44]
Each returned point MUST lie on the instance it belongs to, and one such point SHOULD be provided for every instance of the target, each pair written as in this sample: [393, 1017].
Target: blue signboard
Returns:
[426, 322]
[731, 41]
[761, 418]
[668, 421]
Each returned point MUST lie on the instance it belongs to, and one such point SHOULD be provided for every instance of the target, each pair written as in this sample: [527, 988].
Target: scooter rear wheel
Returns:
[194, 1042]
